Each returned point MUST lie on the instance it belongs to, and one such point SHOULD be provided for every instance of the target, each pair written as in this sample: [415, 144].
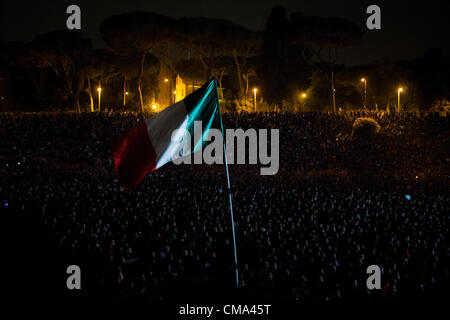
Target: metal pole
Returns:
[229, 194]
[124, 92]
[365, 94]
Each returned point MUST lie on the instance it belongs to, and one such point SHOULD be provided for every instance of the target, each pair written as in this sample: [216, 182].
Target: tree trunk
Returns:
[220, 85]
[246, 84]
[124, 91]
[333, 93]
[172, 86]
[141, 75]
[77, 93]
[206, 68]
[239, 74]
[90, 94]
[37, 82]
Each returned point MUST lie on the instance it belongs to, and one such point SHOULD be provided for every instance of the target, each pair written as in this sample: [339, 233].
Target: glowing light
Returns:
[303, 95]
[154, 107]
[126, 93]
[99, 89]
[166, 80]
[365, 91]
[174, 92]
[400, 89]
[255, 90]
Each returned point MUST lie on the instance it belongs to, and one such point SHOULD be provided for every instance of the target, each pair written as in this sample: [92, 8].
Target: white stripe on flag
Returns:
[176, 145]
[160, 128]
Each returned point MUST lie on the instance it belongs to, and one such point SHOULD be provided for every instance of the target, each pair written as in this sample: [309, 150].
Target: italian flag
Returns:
[150, 145]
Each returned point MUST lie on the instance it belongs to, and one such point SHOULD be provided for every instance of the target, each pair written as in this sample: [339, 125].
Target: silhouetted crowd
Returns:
[308, 233]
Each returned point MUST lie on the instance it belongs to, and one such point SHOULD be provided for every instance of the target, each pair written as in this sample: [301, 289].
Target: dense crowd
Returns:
[309, 142]
[307, 233]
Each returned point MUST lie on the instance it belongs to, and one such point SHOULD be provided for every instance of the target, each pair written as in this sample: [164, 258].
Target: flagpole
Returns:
[229, 193]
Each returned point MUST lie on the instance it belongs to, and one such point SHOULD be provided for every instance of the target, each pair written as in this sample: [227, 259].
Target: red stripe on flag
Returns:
[134, 156]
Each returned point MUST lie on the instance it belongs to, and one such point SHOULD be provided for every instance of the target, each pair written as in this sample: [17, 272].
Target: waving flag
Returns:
[149, 145]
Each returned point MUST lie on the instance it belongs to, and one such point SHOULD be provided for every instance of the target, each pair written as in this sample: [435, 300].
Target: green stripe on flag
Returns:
[203, 105]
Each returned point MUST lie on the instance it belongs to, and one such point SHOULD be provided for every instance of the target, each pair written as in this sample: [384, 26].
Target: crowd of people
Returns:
[309, 233]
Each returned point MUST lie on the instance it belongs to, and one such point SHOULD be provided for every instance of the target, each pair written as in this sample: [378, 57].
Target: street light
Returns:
[125, 98]
[303, 97]
[398, 94]
[99, 97]
[365, 92]
[254, 96]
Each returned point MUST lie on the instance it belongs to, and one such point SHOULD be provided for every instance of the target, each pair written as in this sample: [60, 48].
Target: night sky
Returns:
[408, 28]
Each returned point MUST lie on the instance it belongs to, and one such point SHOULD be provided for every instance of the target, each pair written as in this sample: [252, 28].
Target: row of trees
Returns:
[142, 47]
[141, 44]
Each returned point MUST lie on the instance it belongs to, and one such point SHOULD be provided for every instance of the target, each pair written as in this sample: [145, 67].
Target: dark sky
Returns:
[408, 27]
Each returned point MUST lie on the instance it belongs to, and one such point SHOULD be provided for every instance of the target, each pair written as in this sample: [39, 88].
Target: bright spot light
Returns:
[255, 90]
[400, 89]
[303, 95]
[166, 80]
[174, 92]
[363, 79]
[126, 93]
[99, 89]
[154, 106]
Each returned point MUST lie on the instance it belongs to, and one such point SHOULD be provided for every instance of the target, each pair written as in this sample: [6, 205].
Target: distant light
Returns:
[363, 79]
[174, 92]
[400, 89]
[166, 80]
[417, 177]
[303, 95]
[99, 89]
[126, 93]
[3, 98]
[407, 197]
[154, 107]
[255, 90]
